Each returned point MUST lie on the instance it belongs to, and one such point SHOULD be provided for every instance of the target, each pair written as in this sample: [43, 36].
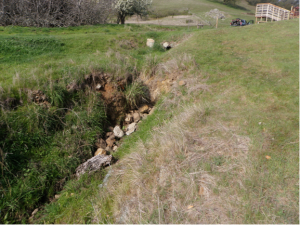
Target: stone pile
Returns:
[109, 143]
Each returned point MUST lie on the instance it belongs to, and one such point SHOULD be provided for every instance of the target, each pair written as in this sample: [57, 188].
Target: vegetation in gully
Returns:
[220, 146]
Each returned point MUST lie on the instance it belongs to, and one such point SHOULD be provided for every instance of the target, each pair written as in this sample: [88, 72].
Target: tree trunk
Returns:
[121, 18]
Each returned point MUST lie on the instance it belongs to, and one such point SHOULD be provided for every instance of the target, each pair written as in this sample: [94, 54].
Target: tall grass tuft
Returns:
[135, 94]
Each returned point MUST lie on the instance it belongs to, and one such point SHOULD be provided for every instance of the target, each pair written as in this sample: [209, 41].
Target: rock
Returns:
[136, 117]
[128, 118]
[131, 128]
[93, 164]
[150, 42]
[167, 45]
[98, 87]
[56, 196]
[110, 141]
[108, 149]
[144, 109]
[108, 134]
[182, 83]
[110, 129]
[100, 151]
[118, 132]
[34, 212]
[115, 148]
[94, 80]
[100, 143]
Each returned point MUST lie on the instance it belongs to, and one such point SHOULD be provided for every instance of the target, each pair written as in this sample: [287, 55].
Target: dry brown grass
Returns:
[177, 176]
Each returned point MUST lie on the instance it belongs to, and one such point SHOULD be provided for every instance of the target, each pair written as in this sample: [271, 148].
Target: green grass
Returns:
[43, 141]
[62, 52]
[254, 93]
[81, 208]
[259, 72]
[200, 7]
[252, 73]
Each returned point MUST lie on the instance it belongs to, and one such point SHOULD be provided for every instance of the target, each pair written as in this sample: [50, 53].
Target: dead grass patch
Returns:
[175, 177]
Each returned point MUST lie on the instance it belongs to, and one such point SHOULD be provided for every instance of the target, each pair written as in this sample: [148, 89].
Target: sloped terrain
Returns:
[192, 12]
[221, 147]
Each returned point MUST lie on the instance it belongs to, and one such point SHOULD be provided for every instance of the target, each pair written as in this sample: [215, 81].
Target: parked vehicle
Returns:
[240, 22]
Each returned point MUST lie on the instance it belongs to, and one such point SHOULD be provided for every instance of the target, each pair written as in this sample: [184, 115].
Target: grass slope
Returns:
[200, 158]
[223, 149]
[29, 54]
[200, 7]
[41, 147]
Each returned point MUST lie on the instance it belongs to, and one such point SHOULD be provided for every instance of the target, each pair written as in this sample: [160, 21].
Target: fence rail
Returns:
[272, 12]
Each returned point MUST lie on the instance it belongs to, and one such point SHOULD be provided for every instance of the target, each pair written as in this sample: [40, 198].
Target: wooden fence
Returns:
[271, 12]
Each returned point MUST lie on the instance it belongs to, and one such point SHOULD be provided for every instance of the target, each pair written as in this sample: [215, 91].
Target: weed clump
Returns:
[135, 94]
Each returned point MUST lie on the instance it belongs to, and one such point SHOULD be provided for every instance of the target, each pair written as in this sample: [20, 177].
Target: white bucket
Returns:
[150, 42]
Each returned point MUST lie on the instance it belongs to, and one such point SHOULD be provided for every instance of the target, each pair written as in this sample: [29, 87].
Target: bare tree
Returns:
[54, 13]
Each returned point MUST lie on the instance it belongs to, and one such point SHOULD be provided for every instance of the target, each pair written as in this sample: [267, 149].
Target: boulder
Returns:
[167, 45]
[108, 134]
[150, 42]
[98, 87]
[110, 141]
[93, 164]
[131, 128]
[128, 118]
[144, 109]
[100, 151]
[118, 132]
[108, 148]
[115, 148]
[136, 117]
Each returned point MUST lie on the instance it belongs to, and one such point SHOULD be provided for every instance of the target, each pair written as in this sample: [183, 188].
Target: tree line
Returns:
[58, 13]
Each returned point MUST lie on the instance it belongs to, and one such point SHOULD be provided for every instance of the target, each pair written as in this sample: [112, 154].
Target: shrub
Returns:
[54, 13]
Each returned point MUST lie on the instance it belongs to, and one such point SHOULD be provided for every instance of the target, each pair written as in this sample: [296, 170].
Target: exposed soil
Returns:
[181, 20]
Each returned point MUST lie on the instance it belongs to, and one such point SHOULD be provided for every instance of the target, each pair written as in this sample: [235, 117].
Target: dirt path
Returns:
[181, 20]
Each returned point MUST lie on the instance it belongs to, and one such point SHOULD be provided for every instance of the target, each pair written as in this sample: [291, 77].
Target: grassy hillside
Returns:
[222, 149]
[200, 7]
[37, 52]
[39, 145]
